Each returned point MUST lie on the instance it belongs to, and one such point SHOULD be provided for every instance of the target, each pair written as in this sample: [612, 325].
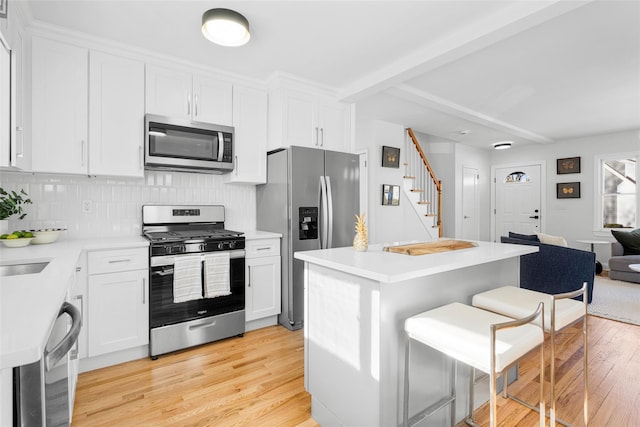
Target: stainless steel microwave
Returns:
[183, 145]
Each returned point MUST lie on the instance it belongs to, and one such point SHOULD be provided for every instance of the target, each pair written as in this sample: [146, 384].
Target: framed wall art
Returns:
[390, 195]
[390, 157]
[568, 165]
[568, 190]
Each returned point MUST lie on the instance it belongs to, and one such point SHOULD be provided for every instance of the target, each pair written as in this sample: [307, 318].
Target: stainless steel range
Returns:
[197, 268]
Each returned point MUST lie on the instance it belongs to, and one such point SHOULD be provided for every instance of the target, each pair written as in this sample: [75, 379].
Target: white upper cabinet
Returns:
[59, 107]
[15, 152]
[250, 123]
[179, 94]
[307, 119]
[212, 101]
[116, 115]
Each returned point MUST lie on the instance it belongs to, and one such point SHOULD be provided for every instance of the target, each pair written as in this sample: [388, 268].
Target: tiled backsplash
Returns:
[105, 207]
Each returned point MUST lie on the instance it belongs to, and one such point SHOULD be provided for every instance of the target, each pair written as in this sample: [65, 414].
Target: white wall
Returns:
[386, 224]
[116, 203]
[572, 218]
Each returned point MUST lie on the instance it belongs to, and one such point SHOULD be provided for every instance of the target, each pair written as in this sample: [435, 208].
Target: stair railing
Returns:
[417, 167]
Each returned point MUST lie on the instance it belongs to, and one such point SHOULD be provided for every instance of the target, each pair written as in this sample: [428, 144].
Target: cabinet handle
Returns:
[321, 137]
[82, 143]
[21, 139]
[144, 294]
[266, 248]
[316, 136]
[188, 103]
[249, 279]
[195, 107]
[140, 162]
[236, 165]
[115, 261]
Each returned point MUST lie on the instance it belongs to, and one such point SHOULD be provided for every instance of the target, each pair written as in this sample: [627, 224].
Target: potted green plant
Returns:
[11, 204]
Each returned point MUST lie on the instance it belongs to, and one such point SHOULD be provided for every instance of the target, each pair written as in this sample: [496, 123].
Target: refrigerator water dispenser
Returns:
[308, 223]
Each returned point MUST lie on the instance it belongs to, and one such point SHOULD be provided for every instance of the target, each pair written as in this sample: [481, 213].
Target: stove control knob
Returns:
[168, 249]
[221, 245]
[232, 245]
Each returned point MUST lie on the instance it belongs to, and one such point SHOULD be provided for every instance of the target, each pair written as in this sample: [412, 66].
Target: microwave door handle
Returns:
[220, 146]
[62, 348]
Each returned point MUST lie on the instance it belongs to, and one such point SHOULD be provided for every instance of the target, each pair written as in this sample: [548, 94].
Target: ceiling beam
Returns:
[429, 100]
[517, 17]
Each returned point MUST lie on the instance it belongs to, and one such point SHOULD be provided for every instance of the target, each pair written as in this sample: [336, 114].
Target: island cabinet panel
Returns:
[59, 107]
[355, 307]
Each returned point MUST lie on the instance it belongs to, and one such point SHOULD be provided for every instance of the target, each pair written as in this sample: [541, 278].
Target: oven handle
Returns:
[165, 260]
[62, 348]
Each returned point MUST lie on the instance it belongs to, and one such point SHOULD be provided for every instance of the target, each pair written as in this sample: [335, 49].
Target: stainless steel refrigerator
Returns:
[311, 197]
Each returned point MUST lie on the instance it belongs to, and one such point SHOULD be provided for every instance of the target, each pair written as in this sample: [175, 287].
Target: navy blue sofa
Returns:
[555, 269]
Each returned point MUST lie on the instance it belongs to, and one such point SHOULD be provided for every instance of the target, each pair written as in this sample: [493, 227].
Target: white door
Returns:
[470, 220]
[517, 200]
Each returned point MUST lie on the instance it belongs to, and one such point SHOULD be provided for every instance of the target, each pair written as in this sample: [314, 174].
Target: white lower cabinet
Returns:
[118, 300]
[262, 279]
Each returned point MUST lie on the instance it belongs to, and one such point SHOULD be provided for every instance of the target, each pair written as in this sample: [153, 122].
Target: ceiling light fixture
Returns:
[225, 27]
[502, 145]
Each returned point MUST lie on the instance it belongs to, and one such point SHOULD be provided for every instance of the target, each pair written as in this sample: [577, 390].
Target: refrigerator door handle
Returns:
[330, 212]
[324, 227]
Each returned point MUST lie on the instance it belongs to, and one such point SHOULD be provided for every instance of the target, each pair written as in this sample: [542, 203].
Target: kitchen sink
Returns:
[24, 268]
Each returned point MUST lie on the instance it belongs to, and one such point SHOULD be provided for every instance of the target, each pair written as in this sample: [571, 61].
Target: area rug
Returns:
[615, 299]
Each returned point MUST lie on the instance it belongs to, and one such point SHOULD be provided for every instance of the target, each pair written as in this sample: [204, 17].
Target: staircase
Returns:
[422, 188]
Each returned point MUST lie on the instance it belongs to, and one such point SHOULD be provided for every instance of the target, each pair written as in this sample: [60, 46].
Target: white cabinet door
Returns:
[118, 311]
[262, 287]
[332, 123]
[178, 94]
[6, 106]
[250, 122]
[299, 121]
[116, 120]
[168, 92]
[59, 107]
[22, 148]
[212, 101]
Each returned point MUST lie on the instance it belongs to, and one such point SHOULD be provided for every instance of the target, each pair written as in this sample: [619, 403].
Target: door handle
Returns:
[534, 217]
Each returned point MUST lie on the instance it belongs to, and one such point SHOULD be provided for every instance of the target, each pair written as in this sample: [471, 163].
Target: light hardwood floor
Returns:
[257, 380]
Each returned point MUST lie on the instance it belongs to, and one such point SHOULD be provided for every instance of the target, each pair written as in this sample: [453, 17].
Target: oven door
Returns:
[163, 311]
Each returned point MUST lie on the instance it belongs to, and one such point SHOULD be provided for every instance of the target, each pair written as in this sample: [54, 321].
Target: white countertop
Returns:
[29, 303]
[388, 267]
[257, 235]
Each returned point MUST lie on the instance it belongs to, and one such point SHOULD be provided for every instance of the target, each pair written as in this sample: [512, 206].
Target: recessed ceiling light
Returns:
[502, 145]
[225, 27]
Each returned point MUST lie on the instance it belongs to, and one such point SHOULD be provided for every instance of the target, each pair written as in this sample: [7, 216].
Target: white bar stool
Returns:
[481, 339]
[561, 311]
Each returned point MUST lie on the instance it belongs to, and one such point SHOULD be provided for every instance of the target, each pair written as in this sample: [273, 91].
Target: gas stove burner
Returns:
[185, 235]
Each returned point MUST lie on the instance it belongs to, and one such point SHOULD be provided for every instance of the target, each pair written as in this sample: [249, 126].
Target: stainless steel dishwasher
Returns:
[44, 390]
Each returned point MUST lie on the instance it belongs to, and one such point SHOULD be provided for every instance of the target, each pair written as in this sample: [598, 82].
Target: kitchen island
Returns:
[355, 307]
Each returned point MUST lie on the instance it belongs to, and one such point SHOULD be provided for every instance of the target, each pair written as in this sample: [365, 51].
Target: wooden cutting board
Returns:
[430, 247]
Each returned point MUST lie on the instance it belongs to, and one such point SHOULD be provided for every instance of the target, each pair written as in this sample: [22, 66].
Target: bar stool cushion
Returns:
[464, 333]
[518, 302]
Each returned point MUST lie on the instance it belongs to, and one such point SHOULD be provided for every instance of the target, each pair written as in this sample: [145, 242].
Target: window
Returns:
[617, 191]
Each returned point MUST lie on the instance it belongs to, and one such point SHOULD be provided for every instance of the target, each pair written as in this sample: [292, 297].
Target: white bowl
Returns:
[42, 237]
[16, 243]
